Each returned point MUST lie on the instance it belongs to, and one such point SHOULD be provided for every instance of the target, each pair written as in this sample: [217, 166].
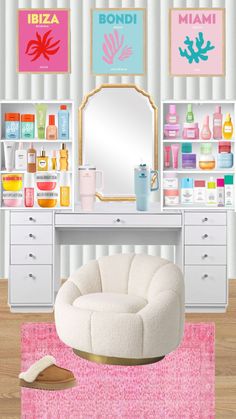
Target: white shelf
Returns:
[199, 171]
[193, 207]
[181, 140]
[36, 208]
[42, 171]
[35, 140]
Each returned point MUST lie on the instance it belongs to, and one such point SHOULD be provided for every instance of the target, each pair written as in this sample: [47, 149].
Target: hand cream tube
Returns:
[9, 152]
[167, 156]
[175, 155]
[41, 109]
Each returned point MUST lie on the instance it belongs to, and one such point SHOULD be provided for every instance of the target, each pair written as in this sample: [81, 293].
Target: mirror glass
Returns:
[118, 132]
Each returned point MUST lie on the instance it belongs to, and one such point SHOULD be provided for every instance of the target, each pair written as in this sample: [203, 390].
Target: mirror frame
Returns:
[155, 150]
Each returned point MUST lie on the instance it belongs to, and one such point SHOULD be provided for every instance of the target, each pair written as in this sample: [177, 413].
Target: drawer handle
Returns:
[31, 276]
[31, 236]
[205, 236]
[31, 255]
[204, 256]
[118, 220]
[204, 220]
[31, 219]
[205, 276]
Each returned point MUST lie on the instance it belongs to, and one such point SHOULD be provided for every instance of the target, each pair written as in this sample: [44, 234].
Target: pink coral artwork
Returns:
[197, 42]
[114, 44]
[181, 386]
[43, 40]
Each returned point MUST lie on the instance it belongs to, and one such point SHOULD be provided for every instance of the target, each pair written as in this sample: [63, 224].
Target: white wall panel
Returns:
[75, 85]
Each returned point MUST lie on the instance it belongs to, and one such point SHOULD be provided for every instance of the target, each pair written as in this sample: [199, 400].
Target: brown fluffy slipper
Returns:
[44, 374]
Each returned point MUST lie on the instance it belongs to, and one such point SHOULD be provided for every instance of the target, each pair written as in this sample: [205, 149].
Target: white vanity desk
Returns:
[35, 238]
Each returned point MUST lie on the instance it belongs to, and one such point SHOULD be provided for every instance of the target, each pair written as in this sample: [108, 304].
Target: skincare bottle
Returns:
[54, 160]
[41, 109]
[9, 154]
[206, 158]
[167, 156]
[190, 115]
[21, 158]
[175, 155]
[64, 190]
[172, 117]
[217, 123]
[27, 126]
[63, 123]
[187, 190]
[29, 189]
[51, 131]
[31, 159]
[228, 128]
[211, 192]
[42, 161]
[199, 193]
[229, 190]
[206, 132]
[12, 126]
[220, 192]
[63, 157]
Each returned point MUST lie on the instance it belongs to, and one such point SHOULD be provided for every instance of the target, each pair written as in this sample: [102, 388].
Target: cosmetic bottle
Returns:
[27, 126]
[206, 159]
[199, 193]
[9, 154]
[41, 110]
[220, 192]
[63, 157]
[217, 123]
[172, 118]
[29, 189]
[228, 128]
[175, 155]
[64, 190]
[189, 115]
[54, 160]
[206, 132]
[51, 131]
[31, 159]
[167, 150]
[21, 158]
[42, 161]
[170, 180]
[63, 123]
[12, 126]
[187, 190]
[229, 190]
[211, 192]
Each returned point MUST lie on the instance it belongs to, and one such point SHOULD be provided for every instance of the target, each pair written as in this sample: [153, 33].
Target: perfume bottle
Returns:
[31, 159]
[64, 190]
[228, 128]
[51, 131]
[42, 161]
[63, 157]
[54, 160]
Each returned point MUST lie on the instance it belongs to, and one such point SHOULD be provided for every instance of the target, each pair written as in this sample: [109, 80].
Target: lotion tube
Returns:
[9, 152]
[175, 155]
[41, 109]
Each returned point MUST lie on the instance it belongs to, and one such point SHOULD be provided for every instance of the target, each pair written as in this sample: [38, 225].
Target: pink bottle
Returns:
[29, 189]
[206, 132]
[217, 123]
[88, 186]
[172, 117]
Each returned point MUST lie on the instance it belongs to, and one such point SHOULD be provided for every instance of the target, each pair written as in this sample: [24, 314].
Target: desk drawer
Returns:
[206, 235]
[205, 285]
[205, 218]
[31, 284]
[31, 218]
[119, 220]
[31, 255]
[205, 255]
[31, 235]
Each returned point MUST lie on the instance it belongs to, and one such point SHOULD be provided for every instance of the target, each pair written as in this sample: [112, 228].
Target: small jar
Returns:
[171, 197]
[171, 130]
[170, 181]
[12, 126]
[206, 159]
[225, 160]
[47, 199]
[27, 126]
[191, 131]
[13, 199]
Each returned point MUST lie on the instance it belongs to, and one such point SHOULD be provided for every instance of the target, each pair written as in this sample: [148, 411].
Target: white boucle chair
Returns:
[126, 309]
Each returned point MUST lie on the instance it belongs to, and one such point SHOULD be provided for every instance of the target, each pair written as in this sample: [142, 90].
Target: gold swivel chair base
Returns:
[110, 360]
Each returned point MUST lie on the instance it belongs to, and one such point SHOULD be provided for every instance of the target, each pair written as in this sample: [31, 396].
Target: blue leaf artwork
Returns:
[200, 53]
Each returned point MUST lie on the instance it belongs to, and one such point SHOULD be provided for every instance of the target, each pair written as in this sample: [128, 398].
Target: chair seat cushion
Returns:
[110, 302]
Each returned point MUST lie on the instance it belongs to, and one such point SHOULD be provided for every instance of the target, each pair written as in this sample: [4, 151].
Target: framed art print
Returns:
[118, 41]
[44, 40]
[197, 42]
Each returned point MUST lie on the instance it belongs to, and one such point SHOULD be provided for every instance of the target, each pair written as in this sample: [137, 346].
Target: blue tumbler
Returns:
[144, 179]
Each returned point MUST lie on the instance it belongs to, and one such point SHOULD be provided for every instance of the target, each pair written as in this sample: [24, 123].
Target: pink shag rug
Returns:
[179, 387]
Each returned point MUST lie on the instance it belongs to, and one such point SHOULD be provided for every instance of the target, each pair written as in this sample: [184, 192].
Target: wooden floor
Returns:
[10, 355]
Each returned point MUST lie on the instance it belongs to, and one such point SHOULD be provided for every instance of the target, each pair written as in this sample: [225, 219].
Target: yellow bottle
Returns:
[42, 162]
[64, 190]
[63, 157]
[228, 128]
[54, 160]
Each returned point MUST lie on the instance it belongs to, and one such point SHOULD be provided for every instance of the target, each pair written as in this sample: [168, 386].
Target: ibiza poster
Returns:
[197, 42]
[118, 41]
[43, 41]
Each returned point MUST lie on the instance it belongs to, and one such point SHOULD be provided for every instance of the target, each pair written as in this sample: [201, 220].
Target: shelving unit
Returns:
[200, 109]
[28, 107]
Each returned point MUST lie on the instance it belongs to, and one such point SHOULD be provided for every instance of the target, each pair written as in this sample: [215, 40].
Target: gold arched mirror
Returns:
[117, 131]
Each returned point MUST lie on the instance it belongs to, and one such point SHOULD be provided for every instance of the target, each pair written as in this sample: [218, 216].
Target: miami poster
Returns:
[118, 41]
[197, 42]
[44, 40]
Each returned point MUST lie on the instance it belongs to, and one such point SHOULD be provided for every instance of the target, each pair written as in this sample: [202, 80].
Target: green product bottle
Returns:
[189, 115]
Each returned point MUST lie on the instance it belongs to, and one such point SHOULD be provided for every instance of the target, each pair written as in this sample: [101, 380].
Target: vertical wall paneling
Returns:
[192, 83]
